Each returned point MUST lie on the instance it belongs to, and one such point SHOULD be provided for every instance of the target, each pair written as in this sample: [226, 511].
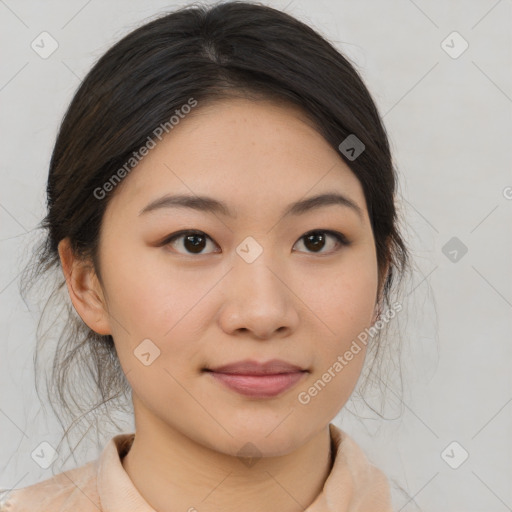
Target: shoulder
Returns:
[75, 490]
[354, 474]
[81, 489]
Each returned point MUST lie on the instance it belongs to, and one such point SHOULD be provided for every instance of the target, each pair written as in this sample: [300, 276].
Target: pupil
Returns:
[315, 245]
[196, 246]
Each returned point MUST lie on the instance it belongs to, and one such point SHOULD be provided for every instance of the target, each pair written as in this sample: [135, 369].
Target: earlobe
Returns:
[84, 289]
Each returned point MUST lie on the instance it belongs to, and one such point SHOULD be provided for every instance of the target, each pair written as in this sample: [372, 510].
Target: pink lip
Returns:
[254, 379]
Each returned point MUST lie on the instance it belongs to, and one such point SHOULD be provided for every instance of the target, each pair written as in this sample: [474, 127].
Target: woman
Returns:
[221, 204]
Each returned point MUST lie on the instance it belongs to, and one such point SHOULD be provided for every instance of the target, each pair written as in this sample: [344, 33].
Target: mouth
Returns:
[258, 380]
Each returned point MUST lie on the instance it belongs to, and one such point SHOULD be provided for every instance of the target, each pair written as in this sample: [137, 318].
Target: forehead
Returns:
[249, 154]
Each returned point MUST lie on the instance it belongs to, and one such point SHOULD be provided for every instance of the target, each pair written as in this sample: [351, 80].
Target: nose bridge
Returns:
[256, 297]
[259, 279]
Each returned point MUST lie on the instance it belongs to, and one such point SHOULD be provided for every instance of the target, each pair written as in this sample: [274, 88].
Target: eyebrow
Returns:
[211, 205]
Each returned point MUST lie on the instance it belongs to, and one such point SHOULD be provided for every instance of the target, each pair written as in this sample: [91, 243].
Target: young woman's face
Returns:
[248, 285]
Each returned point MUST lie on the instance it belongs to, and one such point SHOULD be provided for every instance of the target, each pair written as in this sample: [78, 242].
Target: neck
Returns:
[172, 472]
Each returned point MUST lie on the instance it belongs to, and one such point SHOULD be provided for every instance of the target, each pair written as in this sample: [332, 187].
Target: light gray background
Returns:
[449, 124]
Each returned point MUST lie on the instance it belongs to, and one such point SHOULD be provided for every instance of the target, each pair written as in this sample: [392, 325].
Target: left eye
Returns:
[194, 242]
[316, 240]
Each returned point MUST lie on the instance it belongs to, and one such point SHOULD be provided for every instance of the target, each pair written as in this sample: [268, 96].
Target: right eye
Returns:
[193, 242]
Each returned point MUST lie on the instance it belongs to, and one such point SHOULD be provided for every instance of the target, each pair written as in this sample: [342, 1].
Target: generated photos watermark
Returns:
[158, 133]
[304, 397]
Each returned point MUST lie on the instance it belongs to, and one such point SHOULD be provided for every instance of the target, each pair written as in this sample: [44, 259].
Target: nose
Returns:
[258, 300]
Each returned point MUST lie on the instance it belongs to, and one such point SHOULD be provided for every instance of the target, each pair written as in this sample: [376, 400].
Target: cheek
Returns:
[151, 297]
[328, 389]
[343, 303]
[158, 302]
[343, 299]
[345, 309]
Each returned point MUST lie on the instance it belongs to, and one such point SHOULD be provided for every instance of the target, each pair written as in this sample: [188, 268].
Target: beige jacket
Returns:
[353, 485]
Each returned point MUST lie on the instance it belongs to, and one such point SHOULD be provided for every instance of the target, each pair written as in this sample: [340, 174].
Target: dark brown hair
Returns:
[206, 53]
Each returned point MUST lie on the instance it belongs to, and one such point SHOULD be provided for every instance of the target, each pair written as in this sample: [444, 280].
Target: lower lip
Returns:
[261, 386]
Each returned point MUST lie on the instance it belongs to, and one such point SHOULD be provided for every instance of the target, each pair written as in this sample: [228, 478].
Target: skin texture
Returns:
[293, 302]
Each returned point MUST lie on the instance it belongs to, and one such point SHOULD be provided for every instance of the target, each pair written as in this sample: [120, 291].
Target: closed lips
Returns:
[258, 380]
[249, 367]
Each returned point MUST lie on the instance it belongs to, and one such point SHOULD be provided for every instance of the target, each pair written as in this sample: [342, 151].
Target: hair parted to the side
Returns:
[206, 53]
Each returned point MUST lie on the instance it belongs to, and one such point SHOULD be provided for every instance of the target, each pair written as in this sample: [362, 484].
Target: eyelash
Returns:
[339, 237]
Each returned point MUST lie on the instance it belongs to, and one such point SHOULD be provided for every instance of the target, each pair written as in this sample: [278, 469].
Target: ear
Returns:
[84, 289]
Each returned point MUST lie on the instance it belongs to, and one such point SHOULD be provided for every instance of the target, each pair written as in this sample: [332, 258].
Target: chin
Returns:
[252, 446]
[272, 437]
